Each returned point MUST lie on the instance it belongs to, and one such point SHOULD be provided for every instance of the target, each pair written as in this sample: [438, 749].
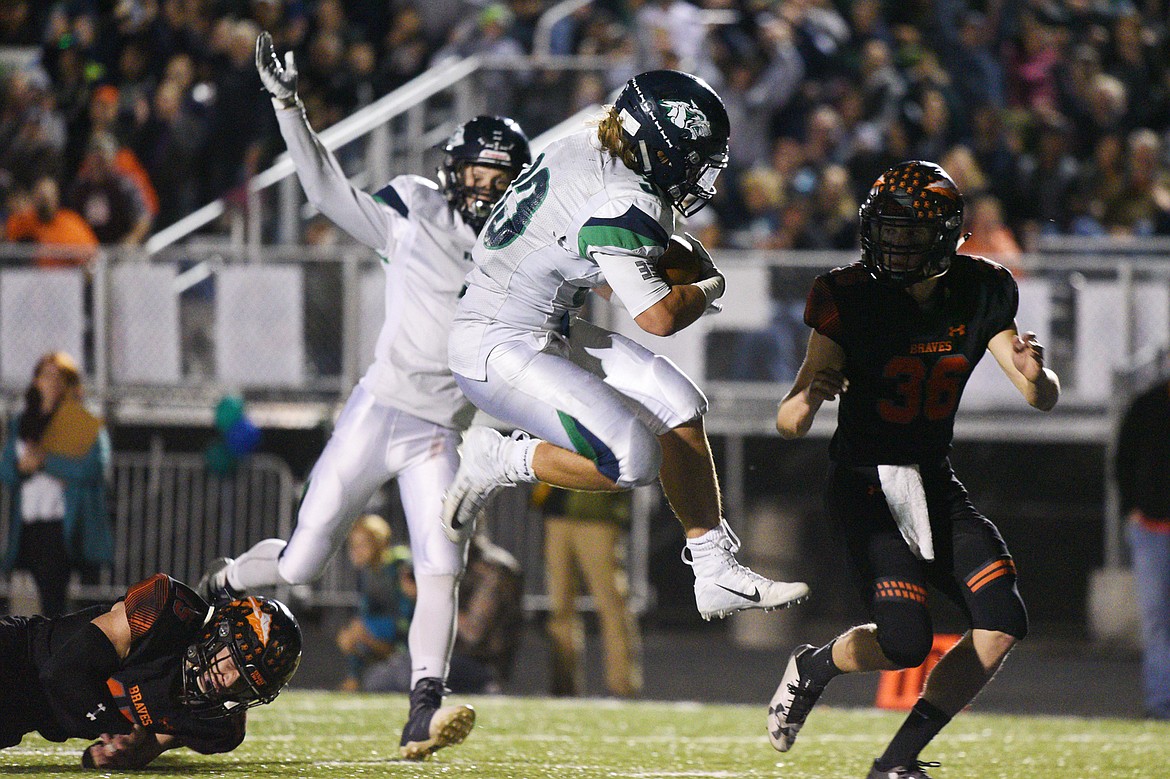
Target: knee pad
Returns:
[642, 460]
[677, 391]
[995, 600]
[904, 630]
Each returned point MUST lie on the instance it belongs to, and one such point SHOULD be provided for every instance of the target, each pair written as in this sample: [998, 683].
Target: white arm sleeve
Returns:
[328, 189]
[633, 279]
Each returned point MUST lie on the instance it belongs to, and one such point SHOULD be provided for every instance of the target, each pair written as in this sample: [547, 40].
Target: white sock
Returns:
[517, 454]
[711, 538]
[257, 567]
[432, 631]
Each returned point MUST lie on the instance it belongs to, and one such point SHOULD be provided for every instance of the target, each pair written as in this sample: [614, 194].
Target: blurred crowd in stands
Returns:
[1051, 115]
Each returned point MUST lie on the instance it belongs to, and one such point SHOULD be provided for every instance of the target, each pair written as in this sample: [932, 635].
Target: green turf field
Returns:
[306, 734]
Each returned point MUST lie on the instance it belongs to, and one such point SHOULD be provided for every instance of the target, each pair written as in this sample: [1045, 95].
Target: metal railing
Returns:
[169, 513]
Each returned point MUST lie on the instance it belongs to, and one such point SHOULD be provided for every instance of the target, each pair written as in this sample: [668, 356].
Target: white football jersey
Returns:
[577, 218]
[425, 250]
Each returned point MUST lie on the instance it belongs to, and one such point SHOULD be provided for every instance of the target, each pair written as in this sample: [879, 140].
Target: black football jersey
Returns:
[907, 364]
[166, 616]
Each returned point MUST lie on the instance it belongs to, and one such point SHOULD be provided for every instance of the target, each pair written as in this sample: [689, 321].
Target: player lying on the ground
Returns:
[157, 670]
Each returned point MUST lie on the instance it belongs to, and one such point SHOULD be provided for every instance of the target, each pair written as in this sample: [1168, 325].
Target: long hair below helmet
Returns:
[910, 223]
[260, 637]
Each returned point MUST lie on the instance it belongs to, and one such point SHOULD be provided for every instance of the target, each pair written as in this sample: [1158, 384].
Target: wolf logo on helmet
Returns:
[261, 637]
[687, 116]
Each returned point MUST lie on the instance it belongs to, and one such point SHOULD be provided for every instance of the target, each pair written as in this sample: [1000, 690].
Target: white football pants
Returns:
[371, 444]
[595, 392]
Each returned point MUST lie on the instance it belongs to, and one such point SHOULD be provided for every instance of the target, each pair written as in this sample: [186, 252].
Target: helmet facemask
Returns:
[490, 142]
[255, 640]
[910, 224]
[473, 203]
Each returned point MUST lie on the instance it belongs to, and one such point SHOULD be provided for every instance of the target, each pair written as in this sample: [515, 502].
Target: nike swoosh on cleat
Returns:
[754, 597]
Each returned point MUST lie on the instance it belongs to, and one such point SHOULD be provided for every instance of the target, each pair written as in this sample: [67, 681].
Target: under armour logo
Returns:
[957, 330]
[92, 715]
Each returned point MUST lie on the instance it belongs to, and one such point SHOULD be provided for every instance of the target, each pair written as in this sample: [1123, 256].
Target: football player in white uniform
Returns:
[403, 418]
[595, 211]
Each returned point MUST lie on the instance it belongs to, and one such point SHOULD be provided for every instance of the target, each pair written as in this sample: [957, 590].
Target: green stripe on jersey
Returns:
[595, 236]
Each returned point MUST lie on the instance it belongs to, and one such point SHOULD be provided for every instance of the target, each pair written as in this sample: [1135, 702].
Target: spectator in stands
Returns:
[990, 237]
[1101, 183]
[107, 117]
[239, 114]
[44, 222]
[671, 34]
[386, 592]
[1140, 465]
[54, 462]
[833, 211]
[108, 199]
[488, 34]
[406, 50]
[169, 145]
[583, 540]
[32, 132]
[1047, 178]
[975, 68]
[1142, 206]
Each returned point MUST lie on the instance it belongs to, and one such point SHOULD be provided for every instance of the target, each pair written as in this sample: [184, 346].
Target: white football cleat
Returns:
[724, 586]
[482, 471]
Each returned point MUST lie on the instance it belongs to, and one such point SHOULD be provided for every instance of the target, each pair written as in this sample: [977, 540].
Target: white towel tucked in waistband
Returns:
[906, 497]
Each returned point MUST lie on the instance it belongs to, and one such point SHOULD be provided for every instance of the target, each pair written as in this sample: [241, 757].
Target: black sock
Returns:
[819, 665]
[923, 723]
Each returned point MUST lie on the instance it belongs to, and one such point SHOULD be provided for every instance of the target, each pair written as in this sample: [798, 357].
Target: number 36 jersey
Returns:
[576, 219]
[907, 364]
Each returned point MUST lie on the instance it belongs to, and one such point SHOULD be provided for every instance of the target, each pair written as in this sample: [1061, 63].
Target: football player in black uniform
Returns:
[896, 336]
[158, 670]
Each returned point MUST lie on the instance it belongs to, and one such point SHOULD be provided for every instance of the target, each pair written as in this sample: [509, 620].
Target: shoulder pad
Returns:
[848, 275]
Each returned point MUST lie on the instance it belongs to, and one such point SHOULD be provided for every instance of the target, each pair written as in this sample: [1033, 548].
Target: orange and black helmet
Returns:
[910, 223]
[260, 637]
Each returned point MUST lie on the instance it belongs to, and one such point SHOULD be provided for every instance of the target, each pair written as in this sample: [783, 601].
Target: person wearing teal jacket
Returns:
[54, 464]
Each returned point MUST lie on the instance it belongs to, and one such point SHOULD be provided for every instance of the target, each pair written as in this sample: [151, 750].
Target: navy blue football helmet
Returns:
[910, 224]
[494, 141]
[679, 129]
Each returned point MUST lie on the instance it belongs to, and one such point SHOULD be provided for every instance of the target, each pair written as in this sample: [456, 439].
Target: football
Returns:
[679, 264]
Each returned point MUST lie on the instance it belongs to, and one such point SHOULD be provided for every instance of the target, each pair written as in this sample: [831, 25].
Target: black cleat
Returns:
[432, 726]
[914, 772]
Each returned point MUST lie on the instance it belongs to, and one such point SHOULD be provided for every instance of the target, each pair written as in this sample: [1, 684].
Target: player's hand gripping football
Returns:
[1028, 356]
[711, 281]
[279, 80]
